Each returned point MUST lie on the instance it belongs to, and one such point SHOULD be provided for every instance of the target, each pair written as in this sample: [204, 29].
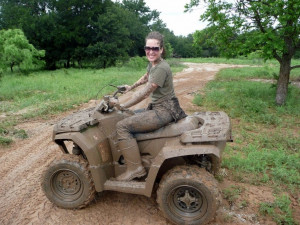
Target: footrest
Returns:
[133, 187]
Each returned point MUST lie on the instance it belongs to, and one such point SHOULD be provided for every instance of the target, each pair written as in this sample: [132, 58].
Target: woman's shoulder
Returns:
[164, 65]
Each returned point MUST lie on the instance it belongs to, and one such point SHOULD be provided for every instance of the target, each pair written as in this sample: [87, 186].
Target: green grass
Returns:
[268, 71]
[43, 93]
[266, 147]
[240, 61]
[279, 210]
[232, 193]
[251, 101]
[237, 61]
[266, 136]
[5, 141]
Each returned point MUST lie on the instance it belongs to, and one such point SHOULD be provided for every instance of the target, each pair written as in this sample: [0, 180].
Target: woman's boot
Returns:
[133, 161]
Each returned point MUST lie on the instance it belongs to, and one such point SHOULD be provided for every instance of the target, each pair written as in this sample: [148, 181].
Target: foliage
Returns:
[65, 29]
[5, 141]
[90, 32]
[204, 44]
[184, 47]
[279, 210]
[264, 25]
[15, 50]
[112, 44]
[273, 27]
[137, 63]
[139, 20]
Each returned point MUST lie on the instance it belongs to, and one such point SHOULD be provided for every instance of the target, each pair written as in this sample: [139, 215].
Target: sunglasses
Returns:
[154, 49]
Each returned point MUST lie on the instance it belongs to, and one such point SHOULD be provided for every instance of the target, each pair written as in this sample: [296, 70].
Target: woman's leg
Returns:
[143, 122]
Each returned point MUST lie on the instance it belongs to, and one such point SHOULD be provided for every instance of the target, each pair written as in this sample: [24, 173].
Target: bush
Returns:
[137, 63]
[5, 141]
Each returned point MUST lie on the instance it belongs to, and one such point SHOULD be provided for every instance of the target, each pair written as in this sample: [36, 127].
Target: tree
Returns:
[183, 47]
[59, 27]
[203, 44]
[112, 39]
[15, 50]
[138, 22]
[76, 29]
[272, 26]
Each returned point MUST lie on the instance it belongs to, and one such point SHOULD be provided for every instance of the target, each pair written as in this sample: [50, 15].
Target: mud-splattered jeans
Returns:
[153, 118]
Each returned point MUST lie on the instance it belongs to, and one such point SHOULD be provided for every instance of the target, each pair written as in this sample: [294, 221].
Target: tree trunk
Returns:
[68, 63]
[283, 81]
[11, 67]
[79, 63]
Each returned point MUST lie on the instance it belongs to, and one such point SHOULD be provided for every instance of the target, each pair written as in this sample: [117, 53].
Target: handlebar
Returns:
[120, 89]
[107, 105]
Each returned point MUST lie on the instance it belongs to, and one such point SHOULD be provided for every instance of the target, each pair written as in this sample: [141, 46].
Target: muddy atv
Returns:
[180, 159]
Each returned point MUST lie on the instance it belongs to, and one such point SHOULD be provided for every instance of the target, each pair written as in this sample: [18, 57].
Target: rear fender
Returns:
[169, 152]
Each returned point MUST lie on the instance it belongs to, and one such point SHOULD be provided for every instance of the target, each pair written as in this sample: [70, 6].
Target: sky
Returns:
[173, 15]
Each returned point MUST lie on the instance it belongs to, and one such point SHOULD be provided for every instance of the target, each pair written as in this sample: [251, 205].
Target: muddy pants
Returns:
[155, 117]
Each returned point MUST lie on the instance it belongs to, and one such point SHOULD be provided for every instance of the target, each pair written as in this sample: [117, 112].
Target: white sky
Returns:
[172, 13]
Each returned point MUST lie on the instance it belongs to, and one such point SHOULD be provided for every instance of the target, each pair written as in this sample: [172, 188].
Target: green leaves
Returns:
[245, 26]
[17, 51]
[67, 30]
[269, 24]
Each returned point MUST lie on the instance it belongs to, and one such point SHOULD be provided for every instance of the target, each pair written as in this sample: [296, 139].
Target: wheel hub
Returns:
[68, 182]
[188, 199]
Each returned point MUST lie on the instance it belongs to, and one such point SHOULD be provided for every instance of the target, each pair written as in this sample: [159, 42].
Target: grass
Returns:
[232, 193]
[237, 61]
[279, 210]
[266, 148]
[43, 93]
[266, 136]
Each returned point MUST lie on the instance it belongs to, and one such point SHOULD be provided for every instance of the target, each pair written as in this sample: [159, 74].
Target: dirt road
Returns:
[23, 202]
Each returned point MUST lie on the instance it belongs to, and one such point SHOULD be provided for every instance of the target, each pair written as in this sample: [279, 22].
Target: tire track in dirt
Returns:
[23, 202]
[22, 176]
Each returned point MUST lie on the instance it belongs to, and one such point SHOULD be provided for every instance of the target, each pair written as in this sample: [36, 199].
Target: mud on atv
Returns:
[181, 157]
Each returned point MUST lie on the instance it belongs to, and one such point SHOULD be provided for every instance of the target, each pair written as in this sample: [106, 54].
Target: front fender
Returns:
[97, 150]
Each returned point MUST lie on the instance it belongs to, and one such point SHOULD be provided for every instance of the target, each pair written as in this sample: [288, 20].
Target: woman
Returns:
[163, 109]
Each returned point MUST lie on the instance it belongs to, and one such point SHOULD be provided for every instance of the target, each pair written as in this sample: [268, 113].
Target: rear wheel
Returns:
[188, 195]
[68, 183]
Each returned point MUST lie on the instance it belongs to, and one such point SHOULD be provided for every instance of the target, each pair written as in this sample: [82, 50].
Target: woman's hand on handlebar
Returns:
[114, 102]
[128, 88]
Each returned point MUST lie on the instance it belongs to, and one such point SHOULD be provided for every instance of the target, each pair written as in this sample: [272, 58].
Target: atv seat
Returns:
[171, 130]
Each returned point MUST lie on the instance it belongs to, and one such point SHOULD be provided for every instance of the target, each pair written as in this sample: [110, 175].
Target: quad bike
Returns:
[180, 158]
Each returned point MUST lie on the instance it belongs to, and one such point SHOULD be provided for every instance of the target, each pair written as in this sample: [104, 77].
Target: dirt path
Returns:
[23, 202]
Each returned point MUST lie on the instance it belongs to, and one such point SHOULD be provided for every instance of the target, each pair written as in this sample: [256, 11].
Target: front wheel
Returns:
[67, 182]
[188, 195]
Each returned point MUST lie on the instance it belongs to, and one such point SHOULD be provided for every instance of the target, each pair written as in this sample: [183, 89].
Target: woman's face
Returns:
[153, 50]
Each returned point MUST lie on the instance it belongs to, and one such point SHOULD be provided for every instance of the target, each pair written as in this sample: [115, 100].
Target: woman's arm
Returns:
[140, 95]
[142, 80]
